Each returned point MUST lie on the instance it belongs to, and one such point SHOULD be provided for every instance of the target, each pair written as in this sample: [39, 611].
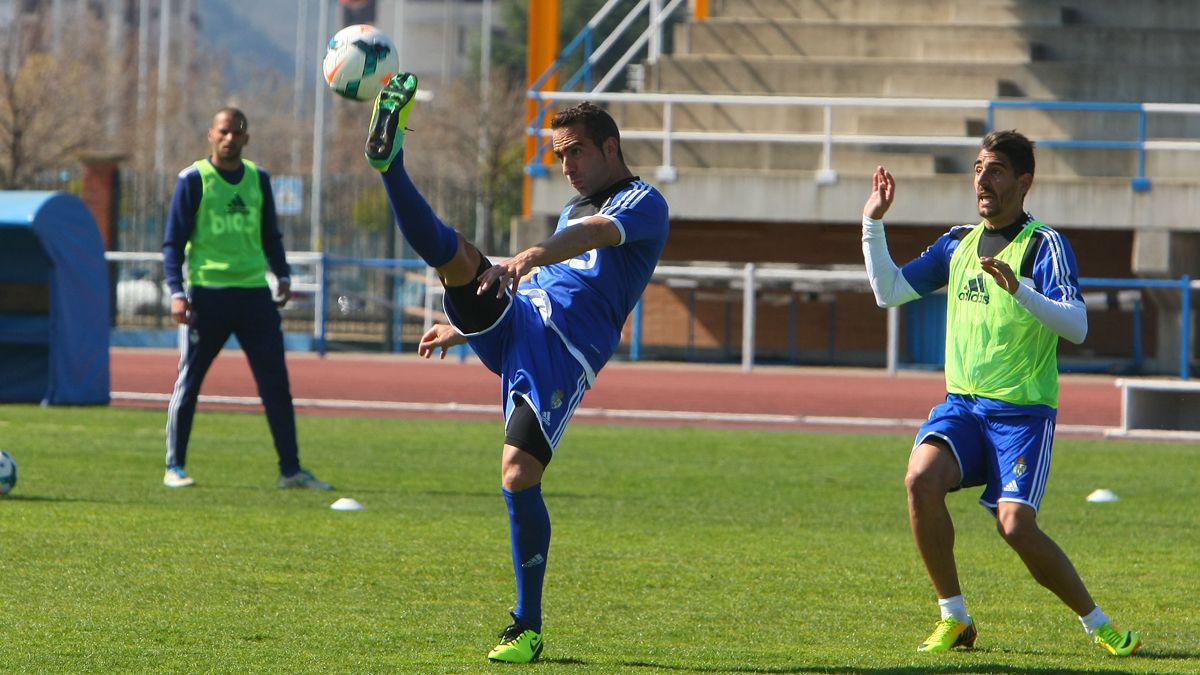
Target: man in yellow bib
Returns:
[222, 220]
[1012, 291]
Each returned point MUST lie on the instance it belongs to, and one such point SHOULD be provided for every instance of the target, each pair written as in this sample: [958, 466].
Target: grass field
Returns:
[674, 551]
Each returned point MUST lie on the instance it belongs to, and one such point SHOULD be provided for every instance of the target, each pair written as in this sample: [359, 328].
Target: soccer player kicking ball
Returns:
[1012, 293]
[546, 320]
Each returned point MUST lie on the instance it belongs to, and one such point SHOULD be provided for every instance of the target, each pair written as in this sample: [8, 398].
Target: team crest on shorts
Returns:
[556, 399]
[1019, 467]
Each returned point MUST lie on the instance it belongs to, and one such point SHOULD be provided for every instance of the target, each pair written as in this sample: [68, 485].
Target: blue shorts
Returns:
[533, 364]
[1006, 450]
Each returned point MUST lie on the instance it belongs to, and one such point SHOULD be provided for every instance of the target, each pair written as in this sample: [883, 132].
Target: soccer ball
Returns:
[360, 59]
[8, 473]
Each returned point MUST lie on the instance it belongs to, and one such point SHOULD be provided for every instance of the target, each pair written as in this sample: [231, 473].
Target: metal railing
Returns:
[1141, 144]
[392, 296]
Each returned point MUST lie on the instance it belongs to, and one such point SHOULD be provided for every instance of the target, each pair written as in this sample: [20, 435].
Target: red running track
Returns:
[711, 395]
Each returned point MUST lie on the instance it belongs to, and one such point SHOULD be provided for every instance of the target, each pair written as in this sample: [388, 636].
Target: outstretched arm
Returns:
[592, 233]
[888, 284]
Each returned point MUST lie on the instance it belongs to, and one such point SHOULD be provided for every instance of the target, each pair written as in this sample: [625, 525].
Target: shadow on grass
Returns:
[1161, 655]
[44, 498]
[901, 670]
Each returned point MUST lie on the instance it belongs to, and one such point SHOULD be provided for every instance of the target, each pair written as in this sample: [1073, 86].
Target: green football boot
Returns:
[518, 644]
[948, 634]
[392, 106]
[1117, 642]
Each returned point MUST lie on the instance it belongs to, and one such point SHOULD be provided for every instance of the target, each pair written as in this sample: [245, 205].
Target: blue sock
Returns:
[435, 242]
[529, 527]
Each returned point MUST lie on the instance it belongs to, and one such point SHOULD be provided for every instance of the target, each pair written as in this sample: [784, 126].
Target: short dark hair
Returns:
[1013, 145]
[598, 125]
[236, 114]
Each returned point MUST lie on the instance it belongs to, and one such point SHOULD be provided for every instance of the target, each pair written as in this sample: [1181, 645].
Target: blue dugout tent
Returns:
[54, 301]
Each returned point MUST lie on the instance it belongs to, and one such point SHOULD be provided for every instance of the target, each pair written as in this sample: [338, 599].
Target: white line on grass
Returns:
[676, 416]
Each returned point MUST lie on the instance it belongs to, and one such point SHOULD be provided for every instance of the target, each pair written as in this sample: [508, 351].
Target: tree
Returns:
[45, 117]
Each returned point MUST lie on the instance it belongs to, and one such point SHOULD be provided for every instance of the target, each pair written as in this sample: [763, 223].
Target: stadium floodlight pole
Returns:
[184, 40]
[400, 37]
[318, 159]
[398, 31]
[483, 231]
[143, 68]
[298, 77]
[116, 52]
[56, 22]
[160, 113]
[447, 28]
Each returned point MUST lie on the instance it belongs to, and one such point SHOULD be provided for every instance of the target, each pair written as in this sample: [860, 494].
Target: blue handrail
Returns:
[1184, 284]
[1139, 183]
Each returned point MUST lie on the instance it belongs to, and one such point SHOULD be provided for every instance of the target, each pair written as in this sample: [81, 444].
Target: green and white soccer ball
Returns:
[8, 473]
[359, 60]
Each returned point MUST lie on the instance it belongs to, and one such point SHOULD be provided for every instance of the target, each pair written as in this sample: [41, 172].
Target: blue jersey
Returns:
[586, 299]
[1049, 265]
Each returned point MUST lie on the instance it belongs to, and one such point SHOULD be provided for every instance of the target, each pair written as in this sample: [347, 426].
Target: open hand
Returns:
[505, 275]
[1001, 272]
[439, 336]
[883, 191]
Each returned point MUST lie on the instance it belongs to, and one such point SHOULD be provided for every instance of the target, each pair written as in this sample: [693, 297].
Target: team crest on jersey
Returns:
[236, 205]
[975, 290]
[556, 399]
[1019, 467]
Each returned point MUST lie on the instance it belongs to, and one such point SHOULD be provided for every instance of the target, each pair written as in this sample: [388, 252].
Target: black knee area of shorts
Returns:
[474, 312]
[524, 431]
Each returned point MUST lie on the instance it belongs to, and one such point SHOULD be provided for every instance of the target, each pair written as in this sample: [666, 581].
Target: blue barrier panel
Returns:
[925, 322]
[925, 330]
[1184, 285]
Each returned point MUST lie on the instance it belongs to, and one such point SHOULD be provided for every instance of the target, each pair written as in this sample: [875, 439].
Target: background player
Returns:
[222, 219]
[1012, 292]
[546, 339]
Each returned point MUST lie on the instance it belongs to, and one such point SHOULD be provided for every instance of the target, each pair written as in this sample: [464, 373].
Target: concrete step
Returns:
[1044, 127]
[729, 118]
[1084, 43]
[743, 156]
[807, 77]
[919, 12]
[875, 77]
[1171, 164]
[789, 37]
[717, 117]
[1070, 163]
[1052, 163]
[1127, 15]
[1167, 46]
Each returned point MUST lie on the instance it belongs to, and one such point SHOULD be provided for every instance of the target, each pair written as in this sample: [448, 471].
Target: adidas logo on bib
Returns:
[975, 290]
